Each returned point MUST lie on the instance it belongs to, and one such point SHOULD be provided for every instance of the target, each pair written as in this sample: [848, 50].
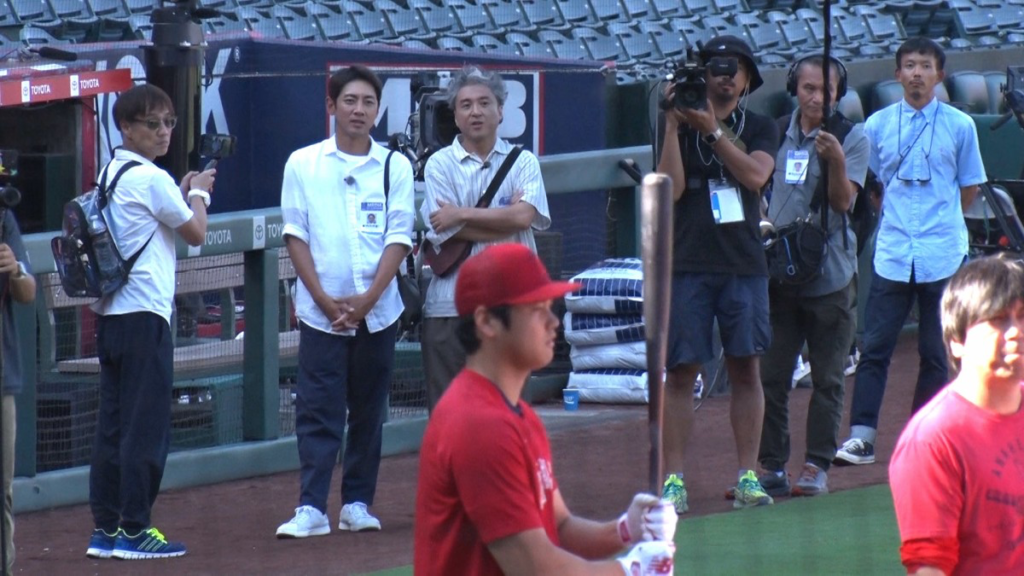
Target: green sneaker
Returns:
[674, 490]
[749, 492]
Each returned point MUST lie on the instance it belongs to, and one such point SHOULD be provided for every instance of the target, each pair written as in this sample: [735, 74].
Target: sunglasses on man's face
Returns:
[154, 123]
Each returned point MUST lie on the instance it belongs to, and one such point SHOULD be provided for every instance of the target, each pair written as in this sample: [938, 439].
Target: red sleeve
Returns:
[495, 480]
[926, 478]
[941, 553]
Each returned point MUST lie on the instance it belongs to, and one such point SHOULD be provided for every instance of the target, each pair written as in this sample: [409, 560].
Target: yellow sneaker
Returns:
[674, 490]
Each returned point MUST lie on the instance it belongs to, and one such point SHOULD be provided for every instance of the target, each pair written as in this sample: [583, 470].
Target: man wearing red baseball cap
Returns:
[487, 501]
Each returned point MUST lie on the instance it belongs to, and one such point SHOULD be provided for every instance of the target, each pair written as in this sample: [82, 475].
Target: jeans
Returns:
[888, 305]
[134, 426]
[826, 324]
[342, 378]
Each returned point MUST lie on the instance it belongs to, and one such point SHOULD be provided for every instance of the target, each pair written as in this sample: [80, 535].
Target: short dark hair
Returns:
[466, 329]
[138, 101]
[981, 290]
[921, 45]
[342, 77]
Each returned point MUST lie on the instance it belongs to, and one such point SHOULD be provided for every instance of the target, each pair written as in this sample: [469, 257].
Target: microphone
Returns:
[10, 196]
[54, 53]
[485, 165]
[350, 180]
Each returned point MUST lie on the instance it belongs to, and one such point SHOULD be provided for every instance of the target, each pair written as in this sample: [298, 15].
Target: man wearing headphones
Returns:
[819, 312]
[719, 159]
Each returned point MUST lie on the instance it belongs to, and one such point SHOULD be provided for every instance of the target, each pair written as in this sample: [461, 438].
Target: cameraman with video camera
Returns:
[719, 156]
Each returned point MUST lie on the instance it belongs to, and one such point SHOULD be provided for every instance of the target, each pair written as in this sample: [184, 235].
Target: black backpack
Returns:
[87, 259]
[862, 215]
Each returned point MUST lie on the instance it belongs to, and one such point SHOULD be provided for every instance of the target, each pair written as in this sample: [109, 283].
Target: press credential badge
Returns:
[796, 166]
[726, 205]
[371, 217]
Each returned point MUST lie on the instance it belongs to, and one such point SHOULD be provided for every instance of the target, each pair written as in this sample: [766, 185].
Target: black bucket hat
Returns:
[732, 46]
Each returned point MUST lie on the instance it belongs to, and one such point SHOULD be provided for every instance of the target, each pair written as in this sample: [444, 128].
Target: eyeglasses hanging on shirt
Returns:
[919, 168]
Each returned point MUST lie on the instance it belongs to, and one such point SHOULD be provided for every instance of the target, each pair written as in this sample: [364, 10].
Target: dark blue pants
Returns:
[133, 429]
[888, 305]
[339, 373]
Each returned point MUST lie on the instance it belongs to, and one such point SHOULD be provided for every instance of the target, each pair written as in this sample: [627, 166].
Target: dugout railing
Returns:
[249, 244]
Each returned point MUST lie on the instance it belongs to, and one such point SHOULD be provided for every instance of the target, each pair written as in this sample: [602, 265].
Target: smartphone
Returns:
[210, 165]
[217, 145]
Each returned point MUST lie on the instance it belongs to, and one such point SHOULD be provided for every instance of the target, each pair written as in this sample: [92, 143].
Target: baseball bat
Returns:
[656, 250]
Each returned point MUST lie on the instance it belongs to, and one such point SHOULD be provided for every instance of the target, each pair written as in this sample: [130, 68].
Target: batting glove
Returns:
[648, 518]
[649, 559]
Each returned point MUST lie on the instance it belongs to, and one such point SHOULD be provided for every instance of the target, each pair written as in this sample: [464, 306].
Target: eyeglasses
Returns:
[154, 124]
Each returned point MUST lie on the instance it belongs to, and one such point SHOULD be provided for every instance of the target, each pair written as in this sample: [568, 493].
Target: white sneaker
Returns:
[851, 363]
[357, 518]
[802, 370]
[308, 521]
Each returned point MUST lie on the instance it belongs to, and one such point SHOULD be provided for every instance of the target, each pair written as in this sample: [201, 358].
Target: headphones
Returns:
[791, 78]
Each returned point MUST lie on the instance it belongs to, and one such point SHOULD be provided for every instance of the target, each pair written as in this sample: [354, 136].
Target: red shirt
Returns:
[957, 475]
[485, 473]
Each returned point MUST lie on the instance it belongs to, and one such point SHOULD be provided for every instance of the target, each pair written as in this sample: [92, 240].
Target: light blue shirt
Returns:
[923, 157]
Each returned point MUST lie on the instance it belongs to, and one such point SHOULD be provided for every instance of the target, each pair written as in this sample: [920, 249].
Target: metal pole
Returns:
[656, 249]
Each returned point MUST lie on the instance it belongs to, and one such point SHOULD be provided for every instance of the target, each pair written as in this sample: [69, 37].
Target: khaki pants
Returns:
[443, 356]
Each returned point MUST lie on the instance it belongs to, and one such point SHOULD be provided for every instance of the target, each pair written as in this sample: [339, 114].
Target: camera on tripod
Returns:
[1013, 90]
[690, 85]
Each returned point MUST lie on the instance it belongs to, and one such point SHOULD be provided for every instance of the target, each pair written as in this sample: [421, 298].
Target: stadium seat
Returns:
[671, 44]
[885, 27]
[7, 18]
[799, 34]
[337, 26]
[492, 45]
[142, 28]
[700, 7]
[577, 13]
[224, 24]
[405, 22]
[1009, 18]
[416, 45]
[81, 29]
[855, 29]
[452, 44]
[302, 28]
[638, 46]
[103, 8]
[473, 17]
[140, 6]
[671, 8]
[608, 10]
[268, 28]
[767, 37]
[564, 47]
[34, 36]
[371, 24]
[64, 9]
[114, 29]
[528, 46]
[996, 99]
[510, 17]
[440, 20]
[640, 10]
[891, 91]
[974, 22]
[730, 6]
[32, 10]
[851, 106]
[969, 87]
[989, 40]
[808, 14]
[818, 29]
[543, 14]
[601, 46]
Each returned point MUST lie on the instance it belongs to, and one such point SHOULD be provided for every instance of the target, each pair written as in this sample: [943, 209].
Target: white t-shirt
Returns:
[454, 176]
[335, 203]
[146, 203]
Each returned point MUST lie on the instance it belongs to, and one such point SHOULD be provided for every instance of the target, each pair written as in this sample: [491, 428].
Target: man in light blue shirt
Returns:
[926, 154]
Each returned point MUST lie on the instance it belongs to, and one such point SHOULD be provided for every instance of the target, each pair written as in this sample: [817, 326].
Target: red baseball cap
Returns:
[505, 274]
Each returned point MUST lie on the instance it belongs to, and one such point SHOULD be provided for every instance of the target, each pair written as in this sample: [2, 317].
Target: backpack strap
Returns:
[503, 171]
[102, 191]
[409, 261]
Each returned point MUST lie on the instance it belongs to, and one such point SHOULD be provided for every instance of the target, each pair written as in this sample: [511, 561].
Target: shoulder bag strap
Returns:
[503, 171]
[387, 189]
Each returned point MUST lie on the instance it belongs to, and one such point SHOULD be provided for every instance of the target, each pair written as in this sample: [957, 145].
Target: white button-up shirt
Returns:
[335, 203]
[454, 176]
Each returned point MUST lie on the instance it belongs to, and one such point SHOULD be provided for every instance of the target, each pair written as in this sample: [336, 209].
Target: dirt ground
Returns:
[600, 460]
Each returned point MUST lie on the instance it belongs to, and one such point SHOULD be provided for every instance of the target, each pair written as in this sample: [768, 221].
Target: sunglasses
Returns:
[169, 122]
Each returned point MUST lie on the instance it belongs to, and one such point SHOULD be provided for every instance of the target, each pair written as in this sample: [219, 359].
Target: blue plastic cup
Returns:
[571, 399]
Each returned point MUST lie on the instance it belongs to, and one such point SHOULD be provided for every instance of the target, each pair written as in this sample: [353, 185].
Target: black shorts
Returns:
[739, 303]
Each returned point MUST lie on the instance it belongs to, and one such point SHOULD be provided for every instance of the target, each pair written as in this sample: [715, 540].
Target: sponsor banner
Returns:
[36, 89]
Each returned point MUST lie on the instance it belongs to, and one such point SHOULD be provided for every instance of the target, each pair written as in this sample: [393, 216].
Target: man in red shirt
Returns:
[488, 501]
[957, 474]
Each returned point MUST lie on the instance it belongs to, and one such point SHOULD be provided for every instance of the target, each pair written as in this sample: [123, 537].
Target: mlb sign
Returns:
[522, 113]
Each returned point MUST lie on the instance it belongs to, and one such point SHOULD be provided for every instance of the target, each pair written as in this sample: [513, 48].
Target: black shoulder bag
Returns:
[408, 288]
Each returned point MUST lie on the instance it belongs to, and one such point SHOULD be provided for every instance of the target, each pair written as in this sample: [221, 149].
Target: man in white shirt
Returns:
[133, 330]
[456, 177]
[346, 237]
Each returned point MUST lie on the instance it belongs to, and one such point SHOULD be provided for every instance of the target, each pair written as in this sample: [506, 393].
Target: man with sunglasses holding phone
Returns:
[927, 157]
[133, 337]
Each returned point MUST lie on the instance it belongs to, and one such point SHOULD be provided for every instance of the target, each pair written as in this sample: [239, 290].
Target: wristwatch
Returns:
[713, 137]
[21, 271]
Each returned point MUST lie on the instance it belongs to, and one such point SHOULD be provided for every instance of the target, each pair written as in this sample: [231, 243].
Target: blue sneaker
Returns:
[146, 545]
[101, 544]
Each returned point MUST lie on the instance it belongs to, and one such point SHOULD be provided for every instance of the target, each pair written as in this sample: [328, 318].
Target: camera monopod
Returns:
[826, 69]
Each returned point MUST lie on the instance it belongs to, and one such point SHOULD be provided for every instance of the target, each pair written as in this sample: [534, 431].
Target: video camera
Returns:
[431, 126]
[691, 88]
[1013, 90]
[9, 195]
